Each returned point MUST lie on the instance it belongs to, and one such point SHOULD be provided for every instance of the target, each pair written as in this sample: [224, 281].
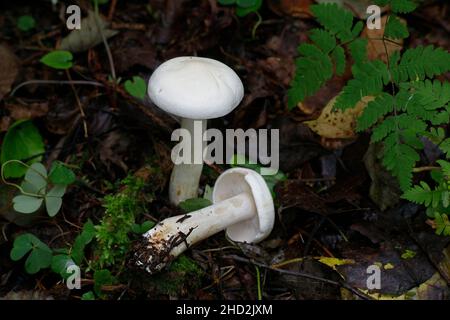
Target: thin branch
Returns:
[77, 82]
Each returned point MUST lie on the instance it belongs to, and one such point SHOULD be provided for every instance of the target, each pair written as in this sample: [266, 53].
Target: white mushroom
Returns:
[242, 205]
[195, 89]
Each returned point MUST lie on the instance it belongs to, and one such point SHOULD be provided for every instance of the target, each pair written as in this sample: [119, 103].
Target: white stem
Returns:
[172, 236]
[186, 177]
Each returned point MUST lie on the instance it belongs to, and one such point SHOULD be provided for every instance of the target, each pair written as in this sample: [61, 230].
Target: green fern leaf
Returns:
[338, 55]
[422, 194]
[403, 6]
[445, 147]
[313, 69]
[335, 19]
[358, 50]
[442, 224]
[323, 39]
[370, 77]
[445, 165]
[421, 62]
[394, 151]
[382, 105]
[395, 29]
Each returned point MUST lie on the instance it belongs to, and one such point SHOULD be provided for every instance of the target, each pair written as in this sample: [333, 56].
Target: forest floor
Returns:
[338, 212]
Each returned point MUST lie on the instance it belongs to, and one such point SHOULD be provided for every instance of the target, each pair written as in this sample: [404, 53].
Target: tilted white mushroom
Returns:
[242, 205]
[195, 89]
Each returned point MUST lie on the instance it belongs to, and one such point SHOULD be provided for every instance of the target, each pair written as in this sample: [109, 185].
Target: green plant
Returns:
[243, 7]
[26, 23]
[58, 59]
[112, 234]
[35, 188]
[40, 255]
[22, 142]
[408, 103]
[136, 87]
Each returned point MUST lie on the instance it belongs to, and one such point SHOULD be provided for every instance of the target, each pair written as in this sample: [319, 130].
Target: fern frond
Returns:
[400, 160]
[421, 62]
[375, 109]
[358, 50]
[403, 6]
[338, 55]
[395, 29]
[369, 79]
[323, 39]
[396, 124]
[445, 165]
[335, 19]
[445, 147]
[423, 194]
[313, 69]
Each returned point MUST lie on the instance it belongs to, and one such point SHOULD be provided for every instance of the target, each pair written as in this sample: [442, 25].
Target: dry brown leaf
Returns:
[9, 68]
[375, 48]
[33, 110]
[338, 124]
[357, 7]
[295, 8]
[88, 36]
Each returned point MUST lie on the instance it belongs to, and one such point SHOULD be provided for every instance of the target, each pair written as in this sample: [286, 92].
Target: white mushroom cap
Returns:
[195, 88]
[236, 181]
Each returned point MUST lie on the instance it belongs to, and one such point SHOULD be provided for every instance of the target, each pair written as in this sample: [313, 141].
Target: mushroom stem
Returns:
[172, 236]
[185, 177]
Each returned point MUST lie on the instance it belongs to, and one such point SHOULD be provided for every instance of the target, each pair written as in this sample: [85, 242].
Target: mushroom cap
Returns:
[195, 88]
[235, 181]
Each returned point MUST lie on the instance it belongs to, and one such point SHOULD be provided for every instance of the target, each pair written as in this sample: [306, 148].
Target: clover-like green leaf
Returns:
[58, 59]
[26, 204]
[137, 87]
[36, 175]
[40, 256]
[60, 174]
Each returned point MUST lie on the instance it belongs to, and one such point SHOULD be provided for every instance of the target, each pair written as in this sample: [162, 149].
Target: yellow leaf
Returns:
[333, 262]
[338, 124]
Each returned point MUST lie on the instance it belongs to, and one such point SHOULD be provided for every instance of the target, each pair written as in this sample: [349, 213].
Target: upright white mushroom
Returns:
[195, 89]
[242, 205]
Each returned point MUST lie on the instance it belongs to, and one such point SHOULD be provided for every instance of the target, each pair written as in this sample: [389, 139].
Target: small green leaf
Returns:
[52, 204]
[60, 174]
[142, 228]
[137, 87]
[26, 23]
[243, 11]
[83, 239]
[60, 263]
[58, 190]
[88, 296]
[36, 175]
[226, 2]
[22, 244]
[408, 254]
[22, 142]
[101, 278]
[26, 204]
[58, 59]
[40, 256]
[194, 204]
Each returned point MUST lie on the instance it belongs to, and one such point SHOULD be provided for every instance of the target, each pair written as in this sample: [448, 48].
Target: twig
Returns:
[77, 82]
[426, 168]
[303, 275]
[80, 106]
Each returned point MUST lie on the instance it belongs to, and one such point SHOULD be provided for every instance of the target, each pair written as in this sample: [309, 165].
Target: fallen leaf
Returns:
[376, 49]
[9, 68]
[333, 262]
[357, 7]
[295, 8]
[338, 124]
[88, 36]
[29, 111]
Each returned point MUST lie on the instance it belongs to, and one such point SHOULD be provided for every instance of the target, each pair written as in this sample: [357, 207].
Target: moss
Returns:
[182, 276]
[112, 236]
